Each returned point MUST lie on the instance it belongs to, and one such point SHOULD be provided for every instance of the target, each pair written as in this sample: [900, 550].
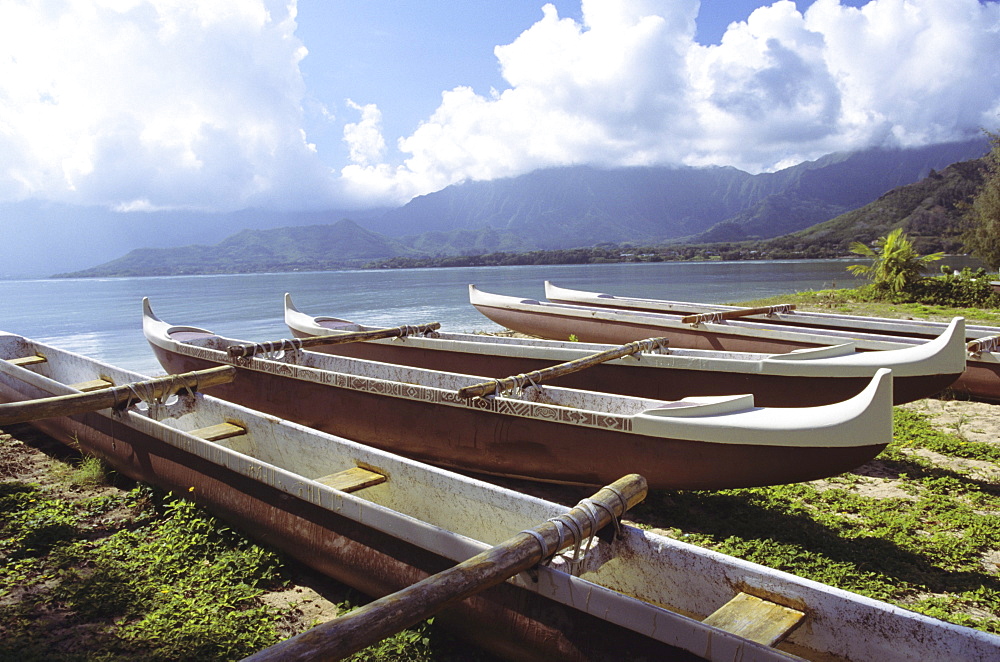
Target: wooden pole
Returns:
[113, 396]
[733, 314]
[377, 620]
[560, 369]
[249, 349]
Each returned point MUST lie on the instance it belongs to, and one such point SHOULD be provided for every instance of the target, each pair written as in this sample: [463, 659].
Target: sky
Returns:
[219, 105]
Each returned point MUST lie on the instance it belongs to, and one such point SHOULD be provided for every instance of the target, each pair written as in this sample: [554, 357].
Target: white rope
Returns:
[541, 542]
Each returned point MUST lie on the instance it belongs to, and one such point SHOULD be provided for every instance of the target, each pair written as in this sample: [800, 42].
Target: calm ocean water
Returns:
[102, 318]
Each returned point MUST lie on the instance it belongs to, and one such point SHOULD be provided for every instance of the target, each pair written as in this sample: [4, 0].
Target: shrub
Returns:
[965, 288]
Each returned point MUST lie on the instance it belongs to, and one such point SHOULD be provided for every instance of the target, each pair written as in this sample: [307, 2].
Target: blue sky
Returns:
[224, 104]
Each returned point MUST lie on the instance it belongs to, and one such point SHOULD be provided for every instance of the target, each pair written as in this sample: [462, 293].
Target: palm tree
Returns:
[895, 264]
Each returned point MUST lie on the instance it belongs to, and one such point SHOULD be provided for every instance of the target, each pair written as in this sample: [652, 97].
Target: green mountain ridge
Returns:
[298, 248]
[930, 211]
[815, 208]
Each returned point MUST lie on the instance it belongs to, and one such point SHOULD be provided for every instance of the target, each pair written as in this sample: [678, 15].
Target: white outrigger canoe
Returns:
[393, 521]
[801, 378]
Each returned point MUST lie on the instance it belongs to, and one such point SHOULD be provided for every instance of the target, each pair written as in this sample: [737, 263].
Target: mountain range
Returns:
[562, 208]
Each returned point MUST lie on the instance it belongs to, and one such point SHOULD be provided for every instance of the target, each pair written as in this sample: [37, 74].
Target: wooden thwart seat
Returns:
[756, 619]
[92, 385]
[219, 432]
[23, 361]
[352, 480]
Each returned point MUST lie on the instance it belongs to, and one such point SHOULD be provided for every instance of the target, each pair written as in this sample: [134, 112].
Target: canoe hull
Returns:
[644, 382]
[510, 622]
[618, 332]
[473, 439]
[980, 380]
[270, 481]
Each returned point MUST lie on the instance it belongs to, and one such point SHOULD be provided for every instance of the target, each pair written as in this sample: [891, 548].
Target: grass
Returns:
[918, 534]
[91, 572]
[849, 302]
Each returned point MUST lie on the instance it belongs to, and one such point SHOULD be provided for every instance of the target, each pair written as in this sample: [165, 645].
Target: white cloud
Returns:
[153, 104]
[364, 138]
[175, 104]
[629, 85]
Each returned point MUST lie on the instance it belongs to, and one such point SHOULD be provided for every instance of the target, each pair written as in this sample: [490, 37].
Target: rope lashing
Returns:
[614, 518]
[273, 350]
[541, 542]
[420, 330]
[976, 347]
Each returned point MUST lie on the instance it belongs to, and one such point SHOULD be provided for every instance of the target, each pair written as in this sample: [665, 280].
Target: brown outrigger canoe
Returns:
[802, 378]
[980, 380]
[540, 432]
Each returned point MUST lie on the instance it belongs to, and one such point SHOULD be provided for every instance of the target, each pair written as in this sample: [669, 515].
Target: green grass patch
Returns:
[921, 545]
[858, 302]
[139, 574]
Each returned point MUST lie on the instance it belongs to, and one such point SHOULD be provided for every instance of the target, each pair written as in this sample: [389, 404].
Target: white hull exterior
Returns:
[800, 378]
[729, 335]
[640, 587]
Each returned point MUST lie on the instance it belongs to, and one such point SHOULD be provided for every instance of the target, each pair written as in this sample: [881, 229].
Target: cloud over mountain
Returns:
[629, 85]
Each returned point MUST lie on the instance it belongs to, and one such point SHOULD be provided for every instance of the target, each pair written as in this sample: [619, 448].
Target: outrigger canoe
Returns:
[539, 432]
[980, 380]
[779, 315]
[546, 319]
[379, 522]
[802, 378]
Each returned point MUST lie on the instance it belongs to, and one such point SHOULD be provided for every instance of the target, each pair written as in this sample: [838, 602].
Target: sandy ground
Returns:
[972, 421]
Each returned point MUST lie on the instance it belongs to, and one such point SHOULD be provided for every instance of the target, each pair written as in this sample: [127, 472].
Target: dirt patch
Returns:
[972, 421]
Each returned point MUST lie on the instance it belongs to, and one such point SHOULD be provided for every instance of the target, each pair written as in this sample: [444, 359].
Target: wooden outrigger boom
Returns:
[109, 395]
[250, 349]
[552, 372]
[736, 314]
[384, 617]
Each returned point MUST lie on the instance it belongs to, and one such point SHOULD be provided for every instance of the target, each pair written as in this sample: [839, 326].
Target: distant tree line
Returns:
[615, 253]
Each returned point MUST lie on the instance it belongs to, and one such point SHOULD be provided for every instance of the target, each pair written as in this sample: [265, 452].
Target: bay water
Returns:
[102, 318]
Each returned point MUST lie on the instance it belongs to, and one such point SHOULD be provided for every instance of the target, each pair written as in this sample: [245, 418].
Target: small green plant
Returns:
[573, 338]
[895, 263]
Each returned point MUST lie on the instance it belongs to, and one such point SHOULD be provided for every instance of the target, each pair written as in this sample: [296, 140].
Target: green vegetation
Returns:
[171, 584]
[916, 531]
[89, 572]
[982, 236]
[966, 293]
[895, 265]
[930, 211]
